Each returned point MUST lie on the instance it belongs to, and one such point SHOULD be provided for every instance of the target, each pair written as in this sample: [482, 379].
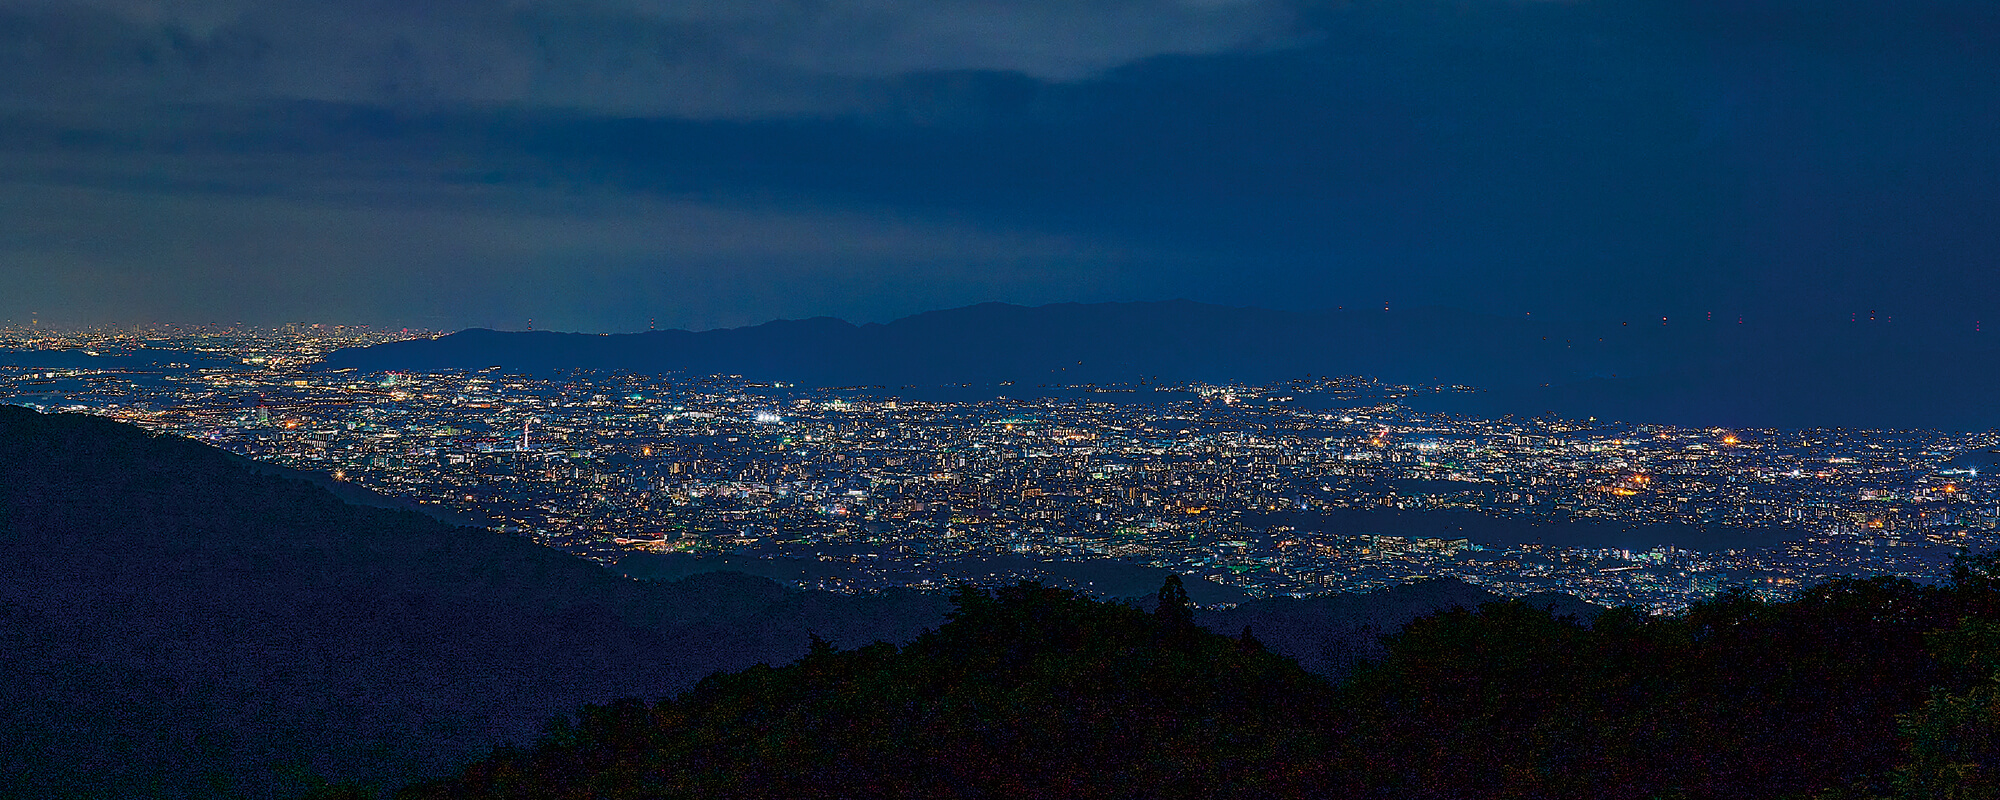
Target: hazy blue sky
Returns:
[596, 165]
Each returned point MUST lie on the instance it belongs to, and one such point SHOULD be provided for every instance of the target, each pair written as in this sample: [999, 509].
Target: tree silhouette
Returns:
[1952, 741]
[1173, 610]
[1030, 691]
[1248, 643]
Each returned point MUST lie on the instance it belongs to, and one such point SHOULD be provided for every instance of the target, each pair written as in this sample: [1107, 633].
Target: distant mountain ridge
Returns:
[1708, 372]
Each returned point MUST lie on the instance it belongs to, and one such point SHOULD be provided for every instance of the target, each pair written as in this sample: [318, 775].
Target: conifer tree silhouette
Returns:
[818, 648]
[1175, 616]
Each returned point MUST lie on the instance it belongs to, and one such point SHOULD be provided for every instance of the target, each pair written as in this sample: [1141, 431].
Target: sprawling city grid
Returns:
[1305, 487]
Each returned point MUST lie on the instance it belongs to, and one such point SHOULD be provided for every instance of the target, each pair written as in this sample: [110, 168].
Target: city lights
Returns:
[1330, 484]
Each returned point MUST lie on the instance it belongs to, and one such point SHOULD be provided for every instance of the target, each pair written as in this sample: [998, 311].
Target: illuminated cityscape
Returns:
[1236, 399]
[1306, 487]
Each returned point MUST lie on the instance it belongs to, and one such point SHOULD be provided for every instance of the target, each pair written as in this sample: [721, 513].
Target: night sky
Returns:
[605, 165]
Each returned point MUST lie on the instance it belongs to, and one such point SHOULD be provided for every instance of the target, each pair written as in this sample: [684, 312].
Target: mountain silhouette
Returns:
[1695, 372]
[176, 621]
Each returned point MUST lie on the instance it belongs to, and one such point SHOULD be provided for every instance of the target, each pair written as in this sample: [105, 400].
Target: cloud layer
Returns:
[698, 58]
[605, 162]
[420, 254]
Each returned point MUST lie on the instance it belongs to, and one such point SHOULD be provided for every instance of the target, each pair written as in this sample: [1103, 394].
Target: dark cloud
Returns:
[417, 253]
[709, 163]
[696, 58]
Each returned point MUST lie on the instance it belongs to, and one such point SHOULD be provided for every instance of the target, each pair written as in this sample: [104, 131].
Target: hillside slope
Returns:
[177, 623]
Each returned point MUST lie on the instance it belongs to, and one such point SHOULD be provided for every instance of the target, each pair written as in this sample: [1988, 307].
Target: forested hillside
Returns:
[1857, 689]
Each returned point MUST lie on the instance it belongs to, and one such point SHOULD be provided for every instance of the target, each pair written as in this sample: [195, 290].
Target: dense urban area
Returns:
[1316, 485]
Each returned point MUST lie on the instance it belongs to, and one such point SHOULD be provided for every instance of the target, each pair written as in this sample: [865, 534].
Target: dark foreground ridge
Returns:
[179, 622]
[1034, 692]
[1710, 372]
[176, 621]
